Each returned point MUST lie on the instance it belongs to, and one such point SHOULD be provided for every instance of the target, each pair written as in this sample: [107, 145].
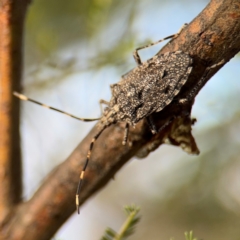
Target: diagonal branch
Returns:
[212, 36]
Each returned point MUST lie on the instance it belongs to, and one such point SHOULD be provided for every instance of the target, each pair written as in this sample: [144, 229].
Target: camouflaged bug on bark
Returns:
[148, 88]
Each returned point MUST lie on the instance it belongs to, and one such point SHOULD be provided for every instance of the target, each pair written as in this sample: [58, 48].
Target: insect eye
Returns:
[114, 88]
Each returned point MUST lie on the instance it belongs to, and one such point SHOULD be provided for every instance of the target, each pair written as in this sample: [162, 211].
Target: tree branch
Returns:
[212, 36]
[11, 30]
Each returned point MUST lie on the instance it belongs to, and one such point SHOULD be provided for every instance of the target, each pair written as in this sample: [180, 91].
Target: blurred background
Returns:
[73, 51]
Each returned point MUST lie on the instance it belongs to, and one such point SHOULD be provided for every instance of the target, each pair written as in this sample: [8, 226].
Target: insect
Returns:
[146, 89]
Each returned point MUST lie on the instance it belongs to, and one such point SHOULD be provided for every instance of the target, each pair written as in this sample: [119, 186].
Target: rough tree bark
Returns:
[12, 15]
[212, 36]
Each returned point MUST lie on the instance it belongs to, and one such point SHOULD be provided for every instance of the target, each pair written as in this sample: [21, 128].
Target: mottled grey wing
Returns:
[151, 86]
[169, 72]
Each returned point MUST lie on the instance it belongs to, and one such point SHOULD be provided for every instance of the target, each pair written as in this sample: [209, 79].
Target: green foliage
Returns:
[127, 228]
[54, 26]
[189, 236]
[129, 225]
[85, 29]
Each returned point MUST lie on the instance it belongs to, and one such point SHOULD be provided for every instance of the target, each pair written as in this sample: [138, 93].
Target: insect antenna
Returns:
[86, 164]
[25, 98]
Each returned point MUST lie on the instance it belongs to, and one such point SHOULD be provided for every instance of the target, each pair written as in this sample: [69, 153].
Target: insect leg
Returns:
[126, 132]
[136, 55]
[25, 98]
[151, 125]
[86, 164]
[101, 102]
